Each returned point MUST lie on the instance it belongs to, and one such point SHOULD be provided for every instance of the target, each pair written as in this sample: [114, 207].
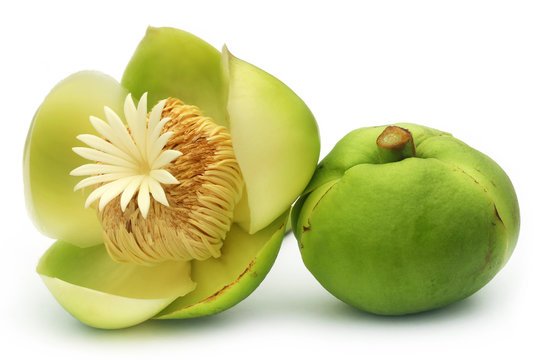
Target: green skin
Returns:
[406, 236]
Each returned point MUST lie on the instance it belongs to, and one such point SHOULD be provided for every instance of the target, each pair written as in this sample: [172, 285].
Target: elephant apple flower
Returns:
[175, 213]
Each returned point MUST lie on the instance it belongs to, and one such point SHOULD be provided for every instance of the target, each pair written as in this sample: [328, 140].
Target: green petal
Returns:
[173, 63]
[275, 138]
[105, 294]
[57, 210]
[223, 282]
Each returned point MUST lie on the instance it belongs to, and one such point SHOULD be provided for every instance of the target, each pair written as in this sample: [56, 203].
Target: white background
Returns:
[467, 67]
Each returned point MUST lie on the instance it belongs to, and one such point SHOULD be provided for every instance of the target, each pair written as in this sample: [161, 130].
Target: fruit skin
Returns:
[407, 236]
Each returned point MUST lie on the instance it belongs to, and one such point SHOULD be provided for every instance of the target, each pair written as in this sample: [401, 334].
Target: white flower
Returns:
[127, 162]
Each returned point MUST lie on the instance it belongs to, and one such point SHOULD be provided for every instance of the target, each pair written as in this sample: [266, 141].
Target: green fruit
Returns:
[392, 228]
[258, 156]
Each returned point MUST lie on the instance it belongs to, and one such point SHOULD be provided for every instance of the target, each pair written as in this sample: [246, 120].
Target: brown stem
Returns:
[395, 144]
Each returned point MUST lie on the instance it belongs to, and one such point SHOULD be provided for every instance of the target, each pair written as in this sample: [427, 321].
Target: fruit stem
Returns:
[395, 144]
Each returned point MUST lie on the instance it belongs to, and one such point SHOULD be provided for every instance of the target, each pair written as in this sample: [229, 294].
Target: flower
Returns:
[127, 162]
[249, 146]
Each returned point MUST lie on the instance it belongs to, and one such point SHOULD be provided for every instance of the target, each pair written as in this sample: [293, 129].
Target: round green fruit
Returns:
[405, 219]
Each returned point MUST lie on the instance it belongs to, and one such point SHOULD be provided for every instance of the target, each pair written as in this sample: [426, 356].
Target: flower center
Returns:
[187, 182]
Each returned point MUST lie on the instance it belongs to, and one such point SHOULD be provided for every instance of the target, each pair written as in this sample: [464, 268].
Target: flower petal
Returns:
[115, 188]
[93, 180]
[105, 294]
[163, 176]
[97, 169]
[100, 156]
[165, 158]
[120, 131]
[56, 209]
[106, 131]
[173, 63]
[130, 190]
[155, 116]
[143, 199]
[155, 131]
[158, 146]
[223, 282]
[275, 140]
[103, 145]
[96, 194]
[142, 109]
[157, 191]
[131, 117]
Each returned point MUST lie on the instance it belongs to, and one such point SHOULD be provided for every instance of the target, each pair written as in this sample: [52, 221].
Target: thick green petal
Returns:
[223, 282]
[57, 210]
[105, 294]
[274, 134]
[173, 63]
[275, 138]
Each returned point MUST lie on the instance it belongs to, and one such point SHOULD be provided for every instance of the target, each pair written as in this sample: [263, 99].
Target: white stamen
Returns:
[143, 197]
[127, 160]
